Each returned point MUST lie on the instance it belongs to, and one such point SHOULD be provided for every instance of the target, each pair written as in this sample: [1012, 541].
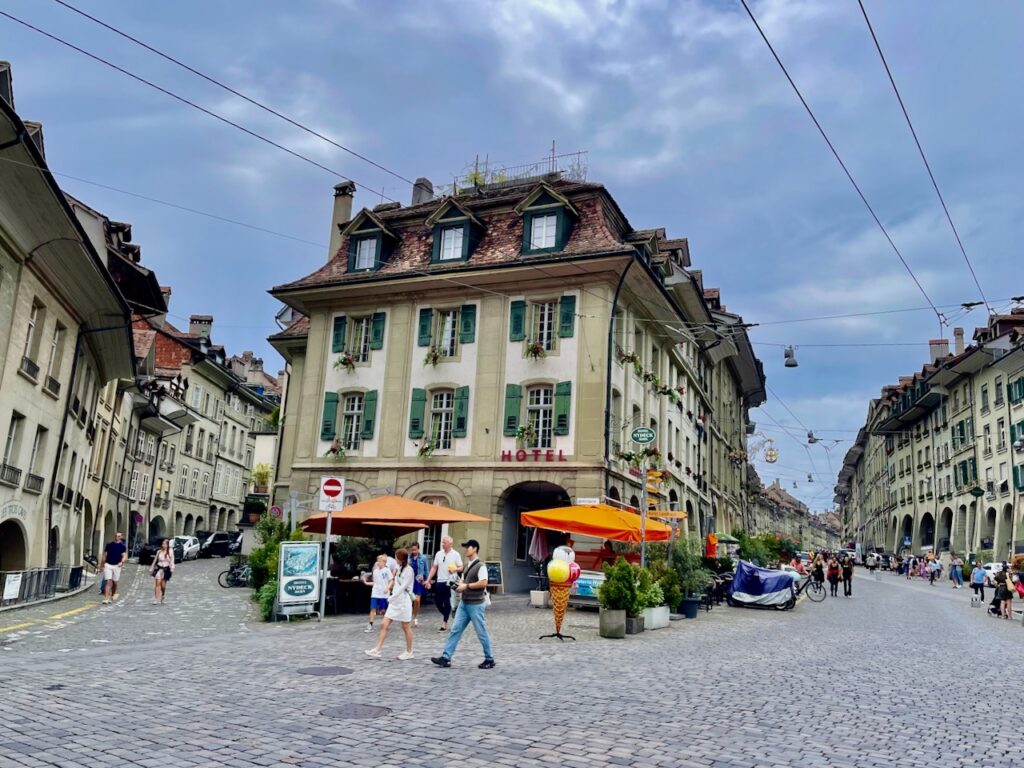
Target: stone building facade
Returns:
[493, 351]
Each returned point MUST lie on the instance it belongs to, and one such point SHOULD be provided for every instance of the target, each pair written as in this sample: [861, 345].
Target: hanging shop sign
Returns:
[534, 454]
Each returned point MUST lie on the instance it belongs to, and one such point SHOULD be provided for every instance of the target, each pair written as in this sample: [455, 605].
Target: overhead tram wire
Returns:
[229, 89]
[187, 102]
[924, 159]
[835, 153]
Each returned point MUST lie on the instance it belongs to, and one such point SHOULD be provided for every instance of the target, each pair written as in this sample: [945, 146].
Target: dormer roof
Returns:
[538, 192]
[446, 205]
[360, 223]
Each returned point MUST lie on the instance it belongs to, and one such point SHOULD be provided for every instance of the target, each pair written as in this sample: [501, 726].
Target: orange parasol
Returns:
[600, 520]
[365, 529]
[396, 509]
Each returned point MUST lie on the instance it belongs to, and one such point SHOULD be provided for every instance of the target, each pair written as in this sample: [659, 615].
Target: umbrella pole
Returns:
[324, 571]
[643, 515]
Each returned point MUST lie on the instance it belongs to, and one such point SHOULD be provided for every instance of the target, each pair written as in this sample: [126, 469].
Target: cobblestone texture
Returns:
[862, 682]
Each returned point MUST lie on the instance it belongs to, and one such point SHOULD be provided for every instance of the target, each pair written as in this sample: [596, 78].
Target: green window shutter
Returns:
[330, 417]
[974, 469]
[369, 414]
[563, 229]
[416, 410]
[426, 321]
[461, 412]
[566, 316]
[338, 335]
[467, 324]
[513, 405]
[517, 321]
[527, 232]
[471, 236]
[377, 331]
[435, 249]
[1013, 434]
[563, 402]
[351, 254]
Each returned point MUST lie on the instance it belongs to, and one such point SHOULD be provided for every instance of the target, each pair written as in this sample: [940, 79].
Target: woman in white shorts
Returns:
[399, 607]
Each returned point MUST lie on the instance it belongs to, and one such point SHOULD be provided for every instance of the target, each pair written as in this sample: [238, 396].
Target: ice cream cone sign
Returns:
[562, 572]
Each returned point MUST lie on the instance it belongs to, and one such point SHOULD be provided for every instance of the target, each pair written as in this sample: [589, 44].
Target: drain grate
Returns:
[325, 671]
[54, 687]
[355, 712]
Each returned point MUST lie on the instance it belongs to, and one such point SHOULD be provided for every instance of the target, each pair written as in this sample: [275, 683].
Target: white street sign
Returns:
[332, 493]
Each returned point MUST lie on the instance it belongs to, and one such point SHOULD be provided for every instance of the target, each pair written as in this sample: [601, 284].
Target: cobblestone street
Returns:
[833, 684]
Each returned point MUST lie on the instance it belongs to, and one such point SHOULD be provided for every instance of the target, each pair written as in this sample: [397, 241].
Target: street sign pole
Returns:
[643, 516]
[325, 570]
[332, 498]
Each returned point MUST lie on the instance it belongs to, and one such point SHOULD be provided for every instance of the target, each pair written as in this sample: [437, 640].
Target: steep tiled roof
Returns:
[501, 242]
[298, 329]
[143, 342]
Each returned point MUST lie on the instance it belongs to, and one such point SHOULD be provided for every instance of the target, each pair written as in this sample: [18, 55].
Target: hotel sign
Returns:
[13, 509]
[534, 454]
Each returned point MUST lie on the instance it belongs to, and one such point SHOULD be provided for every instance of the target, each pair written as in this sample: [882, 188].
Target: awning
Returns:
[600, 520]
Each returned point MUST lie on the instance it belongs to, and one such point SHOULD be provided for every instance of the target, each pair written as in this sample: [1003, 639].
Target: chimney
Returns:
[958, 341]
[938, 348]
[422, 191]
[7, 83]
[342, 214]
[200, 325]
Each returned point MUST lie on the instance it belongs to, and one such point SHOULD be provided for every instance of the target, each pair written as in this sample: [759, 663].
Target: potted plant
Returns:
[347, 361]
[535, 349]
[432, 357]
[336, 451]
[425, 450]
[616, 596]
[693, 577]
[668, 580]
[523, 433]
[655, 612]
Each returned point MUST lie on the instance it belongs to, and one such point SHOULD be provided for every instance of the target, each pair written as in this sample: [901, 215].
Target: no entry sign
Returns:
[332, 494]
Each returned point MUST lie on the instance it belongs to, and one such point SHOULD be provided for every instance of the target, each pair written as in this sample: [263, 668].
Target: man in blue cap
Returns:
[473, 590]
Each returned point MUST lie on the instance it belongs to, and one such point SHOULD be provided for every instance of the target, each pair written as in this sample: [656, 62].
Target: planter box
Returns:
[688, 606]
[656, 618]
[634, 625]
[540, 598]
[612, 623]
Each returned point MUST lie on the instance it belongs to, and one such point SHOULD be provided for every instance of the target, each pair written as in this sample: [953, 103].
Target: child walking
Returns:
[380, 581]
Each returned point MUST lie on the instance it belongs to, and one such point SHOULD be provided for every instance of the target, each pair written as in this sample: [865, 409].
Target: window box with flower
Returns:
[650, 454]
[336, 451]
[535, 349]
[347, 361]
[525, 433]
[433, 356]
[425, 449]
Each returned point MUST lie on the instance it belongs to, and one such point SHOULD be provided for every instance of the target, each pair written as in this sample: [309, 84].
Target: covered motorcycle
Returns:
[761, 588]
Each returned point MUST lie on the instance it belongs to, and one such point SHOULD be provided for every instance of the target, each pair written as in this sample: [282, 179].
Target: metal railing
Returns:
[10, 474]
[29, 366]
[34, 483]
[34, 584]
[52, 386]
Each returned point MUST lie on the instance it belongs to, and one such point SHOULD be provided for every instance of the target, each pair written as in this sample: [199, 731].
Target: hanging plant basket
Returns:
[524, 432]
[636, 458]
[426, 449]
[432, 357]
[336, 451]
[347, 361]
[535, 350]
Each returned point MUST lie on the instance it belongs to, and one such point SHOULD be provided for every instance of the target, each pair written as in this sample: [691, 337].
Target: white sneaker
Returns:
[369, 628]
[404, 655]
[373, 653]
[415, 622]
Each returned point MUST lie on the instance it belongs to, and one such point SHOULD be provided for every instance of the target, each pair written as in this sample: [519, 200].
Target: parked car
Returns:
[189, 545]
[151, 547]
[888, 561]
[991, 569]
[217, 544]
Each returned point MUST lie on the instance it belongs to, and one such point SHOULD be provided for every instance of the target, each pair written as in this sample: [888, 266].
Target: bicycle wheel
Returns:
[225, 579]
[816, 591]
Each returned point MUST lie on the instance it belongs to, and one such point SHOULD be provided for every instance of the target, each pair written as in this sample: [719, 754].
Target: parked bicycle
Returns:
[238, 575]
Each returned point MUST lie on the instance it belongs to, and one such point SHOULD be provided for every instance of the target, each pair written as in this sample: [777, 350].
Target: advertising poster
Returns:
[12, 586]
[298, 572]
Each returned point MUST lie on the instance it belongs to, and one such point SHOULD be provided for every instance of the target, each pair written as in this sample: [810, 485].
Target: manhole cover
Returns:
[325, 671]
[355, 712]
[55, 687]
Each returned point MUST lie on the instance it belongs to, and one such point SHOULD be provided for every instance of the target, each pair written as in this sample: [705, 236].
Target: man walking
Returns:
[421, 571]
[446, 568]
[978, 577]
[114, 556]
[847, 571]
[473, 589]
[934, 569]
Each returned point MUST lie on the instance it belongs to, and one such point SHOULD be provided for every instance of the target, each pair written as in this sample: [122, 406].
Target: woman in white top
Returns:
[399, 607]
[163, 567]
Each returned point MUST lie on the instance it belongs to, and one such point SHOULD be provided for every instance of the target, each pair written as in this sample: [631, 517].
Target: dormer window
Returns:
[547, 221]
[456, 232]
[451, 243]
[366, 253]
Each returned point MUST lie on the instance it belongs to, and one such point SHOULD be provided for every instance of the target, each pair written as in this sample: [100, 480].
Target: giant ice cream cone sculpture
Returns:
[562, 572]
[559, 601]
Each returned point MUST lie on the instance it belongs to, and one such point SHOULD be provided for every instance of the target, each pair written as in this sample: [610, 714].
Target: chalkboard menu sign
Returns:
[494, 576]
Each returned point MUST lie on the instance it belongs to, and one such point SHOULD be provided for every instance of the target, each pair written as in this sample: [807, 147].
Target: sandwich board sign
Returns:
[332, 493]
[298, 578]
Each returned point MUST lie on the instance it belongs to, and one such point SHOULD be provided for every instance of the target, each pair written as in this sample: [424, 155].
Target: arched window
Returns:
[613, 494]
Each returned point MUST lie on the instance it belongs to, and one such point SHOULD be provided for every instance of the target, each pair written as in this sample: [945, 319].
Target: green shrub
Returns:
[618, 591]
[686, 562]
[265, 596]
[668, 580]
[649, 594]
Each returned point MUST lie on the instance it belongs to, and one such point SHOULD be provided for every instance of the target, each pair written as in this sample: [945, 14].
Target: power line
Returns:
[842, 165]
[185, 101]
[920, 150]
[233, 91]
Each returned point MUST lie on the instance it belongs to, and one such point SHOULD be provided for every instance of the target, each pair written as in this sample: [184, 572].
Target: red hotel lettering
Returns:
[523, 455]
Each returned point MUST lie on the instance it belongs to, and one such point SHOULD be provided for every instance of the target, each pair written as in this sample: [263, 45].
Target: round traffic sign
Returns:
[643, 435]
[332, 488]
[276, 511]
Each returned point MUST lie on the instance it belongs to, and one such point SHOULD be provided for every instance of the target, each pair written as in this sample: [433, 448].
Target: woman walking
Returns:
[847, 571]
[163, 569]
[1004, 592]
[399, 607]
[818, 571]
[833, 576]
[978, 576]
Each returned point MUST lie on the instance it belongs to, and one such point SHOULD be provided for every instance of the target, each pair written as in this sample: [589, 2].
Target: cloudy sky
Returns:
[685, 116]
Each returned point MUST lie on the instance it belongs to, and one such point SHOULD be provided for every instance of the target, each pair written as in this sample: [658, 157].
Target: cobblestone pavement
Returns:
[196, 607]
[869, 681]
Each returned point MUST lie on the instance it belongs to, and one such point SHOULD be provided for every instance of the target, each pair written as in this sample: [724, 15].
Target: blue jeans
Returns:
[468, 612]
[958, 576]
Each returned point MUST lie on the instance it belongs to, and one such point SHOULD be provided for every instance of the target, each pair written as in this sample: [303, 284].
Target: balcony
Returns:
[58, 491]
[69, 496]
[29, 368]
[33, 483]
[51, 386]
[10, 475]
